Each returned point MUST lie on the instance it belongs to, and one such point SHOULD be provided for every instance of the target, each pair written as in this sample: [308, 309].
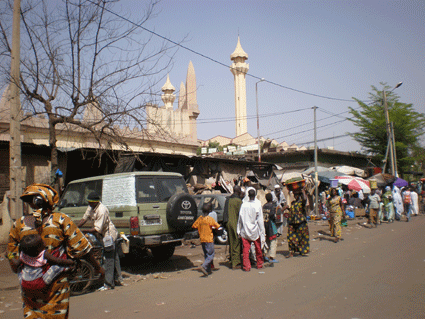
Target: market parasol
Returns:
[400, 182]
[383, 179]
[355, 183]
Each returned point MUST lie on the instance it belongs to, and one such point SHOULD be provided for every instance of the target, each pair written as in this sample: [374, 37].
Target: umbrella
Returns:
[400, 182]
[354, 183]
[326, 176]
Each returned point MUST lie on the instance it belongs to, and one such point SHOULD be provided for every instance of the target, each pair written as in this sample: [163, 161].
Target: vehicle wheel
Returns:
[223, 238]
[82, 278]
[162, 253]
[181, 211]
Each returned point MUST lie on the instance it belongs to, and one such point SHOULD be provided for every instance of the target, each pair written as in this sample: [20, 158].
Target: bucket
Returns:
[373, 184]
[334, 183]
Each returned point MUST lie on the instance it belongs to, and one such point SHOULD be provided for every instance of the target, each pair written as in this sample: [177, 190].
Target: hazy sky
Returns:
[335, 49]
[311, 53]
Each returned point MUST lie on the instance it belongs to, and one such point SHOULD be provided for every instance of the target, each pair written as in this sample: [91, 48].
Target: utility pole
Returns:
[387, 122]
[258, 120]
[395, 153]
[316, 177]
[15, 165]
[391, 144]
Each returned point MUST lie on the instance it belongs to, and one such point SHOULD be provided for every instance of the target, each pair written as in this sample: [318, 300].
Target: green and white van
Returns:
[153, 209]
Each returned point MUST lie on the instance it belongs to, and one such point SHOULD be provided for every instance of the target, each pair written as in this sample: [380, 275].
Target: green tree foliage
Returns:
[370, 119]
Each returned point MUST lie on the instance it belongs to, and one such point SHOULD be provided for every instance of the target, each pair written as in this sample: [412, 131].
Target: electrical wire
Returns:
[216, 61]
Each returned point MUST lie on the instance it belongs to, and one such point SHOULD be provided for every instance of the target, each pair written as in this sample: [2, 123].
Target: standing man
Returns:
[374, 202]
[230, 219]
[99, 214]
[281, 205]
[407, 202]
[251, 229]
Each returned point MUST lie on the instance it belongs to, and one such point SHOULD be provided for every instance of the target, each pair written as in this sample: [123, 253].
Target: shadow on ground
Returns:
[144, 263]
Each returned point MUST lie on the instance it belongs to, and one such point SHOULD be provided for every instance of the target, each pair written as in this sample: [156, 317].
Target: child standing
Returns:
[37, 268]
[205, 224]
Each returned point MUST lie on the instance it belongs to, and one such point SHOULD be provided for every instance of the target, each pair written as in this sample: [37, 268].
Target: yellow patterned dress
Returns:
[298, 234]
[335, 216]
[58, 230]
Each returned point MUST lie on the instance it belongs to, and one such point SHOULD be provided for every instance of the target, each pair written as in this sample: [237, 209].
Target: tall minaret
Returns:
[191, 103]
[239, 69]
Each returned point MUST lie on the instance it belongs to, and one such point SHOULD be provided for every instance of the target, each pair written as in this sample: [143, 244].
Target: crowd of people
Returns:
[253, 228]
[44, 244]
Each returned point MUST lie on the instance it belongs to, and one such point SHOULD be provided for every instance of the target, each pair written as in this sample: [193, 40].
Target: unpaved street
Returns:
[373, 273]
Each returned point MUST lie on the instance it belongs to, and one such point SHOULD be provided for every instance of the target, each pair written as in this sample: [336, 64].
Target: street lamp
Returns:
[258, 120]
[391, 145]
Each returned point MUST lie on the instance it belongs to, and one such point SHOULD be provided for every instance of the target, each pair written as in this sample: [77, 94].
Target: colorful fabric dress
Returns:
[58, 230]
[335, 216]
[298, 235]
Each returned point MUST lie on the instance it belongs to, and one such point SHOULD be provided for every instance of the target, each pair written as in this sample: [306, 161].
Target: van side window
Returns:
[170, 186]
[76, 194]
[146, 190]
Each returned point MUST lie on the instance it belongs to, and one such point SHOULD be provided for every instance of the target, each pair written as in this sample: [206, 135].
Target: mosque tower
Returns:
[239, 69]
[168, 97]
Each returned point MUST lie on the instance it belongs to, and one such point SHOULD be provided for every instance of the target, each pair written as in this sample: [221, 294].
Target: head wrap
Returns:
[276, 186]
[48, 195]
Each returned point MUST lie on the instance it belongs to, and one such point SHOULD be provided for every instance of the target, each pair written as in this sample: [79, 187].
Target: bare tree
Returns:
[80, 60]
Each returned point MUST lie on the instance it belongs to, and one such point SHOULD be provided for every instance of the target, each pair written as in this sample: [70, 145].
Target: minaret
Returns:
[168, 97]
[239, 69]
[191, 103]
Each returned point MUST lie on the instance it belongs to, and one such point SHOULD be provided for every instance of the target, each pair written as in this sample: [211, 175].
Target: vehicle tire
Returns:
[223, 238]
[181, 211]
[162, 253]
[81, 279]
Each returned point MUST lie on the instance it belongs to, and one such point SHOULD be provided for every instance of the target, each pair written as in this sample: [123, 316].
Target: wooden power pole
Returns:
[15, 165]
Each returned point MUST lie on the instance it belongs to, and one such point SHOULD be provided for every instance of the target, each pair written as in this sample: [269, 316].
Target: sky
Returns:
[333, 49]
[309, 53]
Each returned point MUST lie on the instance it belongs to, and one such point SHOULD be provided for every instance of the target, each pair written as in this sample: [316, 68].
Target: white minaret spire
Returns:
[239, 69]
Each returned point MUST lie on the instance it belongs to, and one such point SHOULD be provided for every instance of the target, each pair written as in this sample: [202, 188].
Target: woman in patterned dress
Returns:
[57, 230]
[334, 204]
[298, 234]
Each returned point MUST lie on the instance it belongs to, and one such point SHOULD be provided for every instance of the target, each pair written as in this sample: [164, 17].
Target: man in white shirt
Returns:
[99, 214]
[251, 229]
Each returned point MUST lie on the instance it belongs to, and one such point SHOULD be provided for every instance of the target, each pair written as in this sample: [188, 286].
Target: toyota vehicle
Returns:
[153, 209]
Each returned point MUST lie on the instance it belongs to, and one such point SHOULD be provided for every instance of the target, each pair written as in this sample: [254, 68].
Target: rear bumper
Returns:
[163, 239]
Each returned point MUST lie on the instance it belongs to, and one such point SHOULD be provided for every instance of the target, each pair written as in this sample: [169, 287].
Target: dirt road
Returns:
[373, 273]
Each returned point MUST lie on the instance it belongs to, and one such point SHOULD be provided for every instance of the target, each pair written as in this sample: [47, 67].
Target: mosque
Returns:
[168, 130]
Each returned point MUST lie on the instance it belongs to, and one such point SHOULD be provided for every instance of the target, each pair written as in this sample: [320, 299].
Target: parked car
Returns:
[217, 201]
[153, 209]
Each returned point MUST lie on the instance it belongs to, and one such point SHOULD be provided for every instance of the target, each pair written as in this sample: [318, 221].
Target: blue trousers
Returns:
[208, 249]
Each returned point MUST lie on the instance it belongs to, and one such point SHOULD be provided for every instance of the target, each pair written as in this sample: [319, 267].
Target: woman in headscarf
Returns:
[398, 203]
[298, 235]
[334, 204]
[387, 198]
[59, 233]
